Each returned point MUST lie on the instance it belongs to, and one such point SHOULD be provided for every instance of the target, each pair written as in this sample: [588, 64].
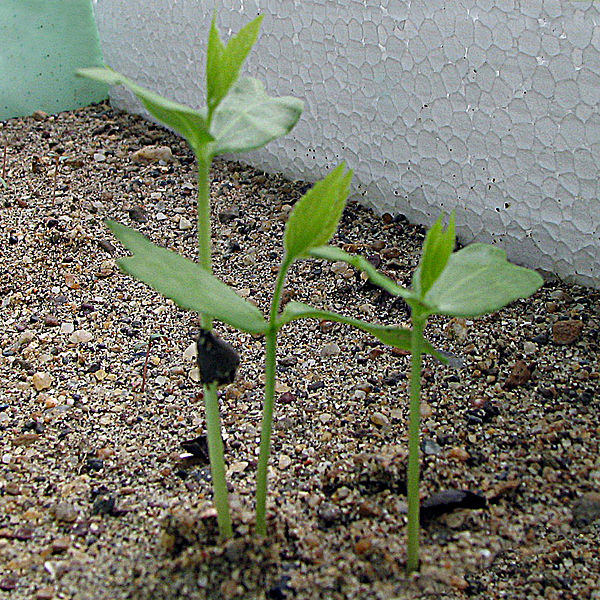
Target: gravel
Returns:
[100, 500]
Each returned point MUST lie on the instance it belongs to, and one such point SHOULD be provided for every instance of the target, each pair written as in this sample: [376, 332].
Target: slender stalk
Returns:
[217, 460]
[413, 443]
[204, 244]
[265, 433]
[211, 401]
[269, 401]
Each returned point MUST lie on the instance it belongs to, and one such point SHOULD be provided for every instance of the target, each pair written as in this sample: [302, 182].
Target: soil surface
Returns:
[99, 500]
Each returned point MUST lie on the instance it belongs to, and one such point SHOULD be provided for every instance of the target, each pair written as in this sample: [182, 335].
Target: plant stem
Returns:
[204, 244]
[265, 433]
[269, 401]
[413, 443]
[217, 460]
[211, 401]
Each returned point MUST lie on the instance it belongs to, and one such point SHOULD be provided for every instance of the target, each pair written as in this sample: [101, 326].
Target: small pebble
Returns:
[284, 462]
[65, 512]
[45, 593]
[81, 336]
[184, 224]
[459, 454]
[380, 419]
[329, 513]
[566, 332]
[519, 375]
[331, 349]
[67, 328]
[152, 154]
[41, 381]
[586, 509]
[430, 447]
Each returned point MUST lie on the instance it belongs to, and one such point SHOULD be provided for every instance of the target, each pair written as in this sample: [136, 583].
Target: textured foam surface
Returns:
[488, 107]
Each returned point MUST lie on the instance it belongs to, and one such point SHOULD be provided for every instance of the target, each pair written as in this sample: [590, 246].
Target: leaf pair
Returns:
[471, 282]
[239, 117]
[223, 63]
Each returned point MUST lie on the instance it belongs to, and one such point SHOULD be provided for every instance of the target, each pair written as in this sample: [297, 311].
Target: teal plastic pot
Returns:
[42, 43]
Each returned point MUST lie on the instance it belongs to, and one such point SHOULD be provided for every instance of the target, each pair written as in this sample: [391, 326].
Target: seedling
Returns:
[239, 116]
[471, 282]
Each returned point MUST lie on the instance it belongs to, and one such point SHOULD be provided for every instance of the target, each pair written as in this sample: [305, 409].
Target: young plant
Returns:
[239, 116]
[469, 283]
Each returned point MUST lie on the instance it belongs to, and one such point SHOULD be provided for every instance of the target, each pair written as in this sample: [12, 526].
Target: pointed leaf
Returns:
[316, 215]
[223, 63]
[477, 280]
[186, 121]
[438, 246]
[185, 282]
[248, 118]
[398, 337]
[334, 254]
[214, 53]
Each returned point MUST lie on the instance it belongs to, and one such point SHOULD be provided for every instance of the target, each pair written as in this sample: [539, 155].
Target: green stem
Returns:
[269, 401]
[217, 460]
[413, 443]
[211, 401]
[204, 245]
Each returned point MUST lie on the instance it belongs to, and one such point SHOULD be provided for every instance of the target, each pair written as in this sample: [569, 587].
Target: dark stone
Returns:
[566, 332]
[281, 590]
[519, 375]
[287, 398]
[138, 214]
[586, 510]
[7, 584]
[315, 385]
[229, 214]
[104, 505]
[329, 513]
[94, 464]
[449, 500]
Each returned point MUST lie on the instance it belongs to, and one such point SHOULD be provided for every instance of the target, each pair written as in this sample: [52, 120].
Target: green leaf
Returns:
[223, 63]
[185, 282]
[438, 247]
[333, 254]
[248, 118]
[477, 280]
[398, 337]
[186, 121]
[316, 215]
